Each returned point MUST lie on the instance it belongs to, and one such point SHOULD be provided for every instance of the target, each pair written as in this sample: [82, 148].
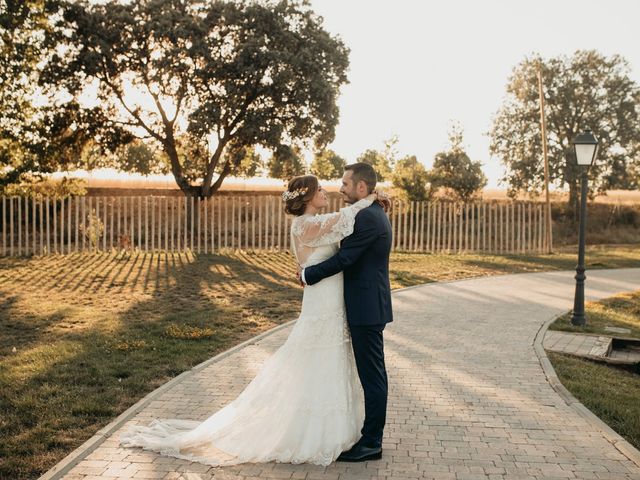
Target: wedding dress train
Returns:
[306, 404]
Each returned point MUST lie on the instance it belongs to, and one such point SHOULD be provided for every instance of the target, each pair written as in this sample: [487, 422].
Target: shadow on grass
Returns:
[153, 317]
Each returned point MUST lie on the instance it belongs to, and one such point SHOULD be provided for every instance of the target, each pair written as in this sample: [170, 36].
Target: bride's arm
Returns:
[328, 228]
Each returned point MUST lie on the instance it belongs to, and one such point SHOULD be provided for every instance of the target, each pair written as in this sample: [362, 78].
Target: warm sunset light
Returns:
[319, 239]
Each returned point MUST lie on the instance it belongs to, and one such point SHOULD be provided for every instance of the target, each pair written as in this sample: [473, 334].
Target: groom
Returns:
[364, 259]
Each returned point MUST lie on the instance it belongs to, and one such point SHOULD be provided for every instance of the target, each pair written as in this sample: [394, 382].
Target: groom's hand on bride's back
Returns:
[299, 276]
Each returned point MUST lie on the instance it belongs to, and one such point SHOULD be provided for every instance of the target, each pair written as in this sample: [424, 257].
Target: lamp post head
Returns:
[585, 146]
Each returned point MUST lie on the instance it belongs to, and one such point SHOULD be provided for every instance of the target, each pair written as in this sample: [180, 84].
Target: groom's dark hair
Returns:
[365, 172]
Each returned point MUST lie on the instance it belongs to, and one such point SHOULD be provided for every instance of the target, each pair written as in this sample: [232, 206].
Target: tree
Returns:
[383, 162]
[410, 176]
[249, 163]
[286, 163]
[41, 137]
[26, 40]
[328, 165]
[376, 160]
[455, 171]
[65, 132]
[586, 90]
[227, 74]
[140, 157]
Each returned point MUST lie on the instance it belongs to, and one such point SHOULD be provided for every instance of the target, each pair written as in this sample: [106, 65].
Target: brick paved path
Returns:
[469, 398]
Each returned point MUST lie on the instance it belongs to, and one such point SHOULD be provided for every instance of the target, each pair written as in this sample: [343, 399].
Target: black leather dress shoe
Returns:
[360, 453]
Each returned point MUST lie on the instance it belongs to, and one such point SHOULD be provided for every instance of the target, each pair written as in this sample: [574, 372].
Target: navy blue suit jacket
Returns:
[364, 259]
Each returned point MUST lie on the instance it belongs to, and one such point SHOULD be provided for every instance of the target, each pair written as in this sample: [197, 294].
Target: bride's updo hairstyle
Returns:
[300, 191]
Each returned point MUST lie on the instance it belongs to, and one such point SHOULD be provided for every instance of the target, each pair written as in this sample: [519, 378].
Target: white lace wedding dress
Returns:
[306, 404]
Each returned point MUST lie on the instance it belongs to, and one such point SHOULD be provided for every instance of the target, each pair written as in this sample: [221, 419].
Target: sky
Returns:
[417, 65]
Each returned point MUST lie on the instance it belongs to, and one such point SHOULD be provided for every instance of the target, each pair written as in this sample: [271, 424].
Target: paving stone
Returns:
[468, 398]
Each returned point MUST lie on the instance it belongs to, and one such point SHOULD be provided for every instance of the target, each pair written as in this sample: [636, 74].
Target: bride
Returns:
[306, 403]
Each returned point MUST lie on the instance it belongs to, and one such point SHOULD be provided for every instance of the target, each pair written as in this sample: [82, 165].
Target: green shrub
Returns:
[32, 186]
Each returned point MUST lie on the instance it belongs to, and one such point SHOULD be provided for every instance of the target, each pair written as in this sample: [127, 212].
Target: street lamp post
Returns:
[586, 148]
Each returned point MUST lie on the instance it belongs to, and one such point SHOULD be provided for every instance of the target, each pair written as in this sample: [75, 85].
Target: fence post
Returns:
[438, 226]
[491, 228]
[97, 218]
[213, 215]
[165, 223]
[429, 239]
[530, 242]
[437, 207]
[280, 234]
[198, 219]
[449, 224]
[456, 233]
[509, 226]
[399, 225]
[19, 201]
[4, 225]
[411, 231]
[235, 225]
[273, 208]
[11, 221]
[48, 221]
[539, 227]
[24, 220]
[472, 226]
[422, 214]
[443, 227]
[34, 208]
[41, 204]
[392, 215]
[499, 229]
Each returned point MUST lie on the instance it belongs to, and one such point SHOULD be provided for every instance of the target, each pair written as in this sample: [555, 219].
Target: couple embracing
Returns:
[322, 396]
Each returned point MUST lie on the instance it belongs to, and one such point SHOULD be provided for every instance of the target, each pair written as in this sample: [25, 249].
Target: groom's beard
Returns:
[349, 199]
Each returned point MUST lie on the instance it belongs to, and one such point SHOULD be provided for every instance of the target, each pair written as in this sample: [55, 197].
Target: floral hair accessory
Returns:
[298, 192]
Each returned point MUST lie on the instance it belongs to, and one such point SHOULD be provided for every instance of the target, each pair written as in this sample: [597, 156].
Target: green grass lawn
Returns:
[620, 311]
[83, 337]
[414, 268]
[610, 392]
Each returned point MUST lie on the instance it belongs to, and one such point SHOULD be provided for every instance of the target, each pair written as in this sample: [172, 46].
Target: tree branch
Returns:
[139, 120]
[225, 137]
[225, 171]
[255, 93]
[213, 163]
[147, 83]
[181, 96]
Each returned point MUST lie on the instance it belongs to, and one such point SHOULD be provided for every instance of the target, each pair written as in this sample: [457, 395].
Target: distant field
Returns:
[628, 197]
[109, 180]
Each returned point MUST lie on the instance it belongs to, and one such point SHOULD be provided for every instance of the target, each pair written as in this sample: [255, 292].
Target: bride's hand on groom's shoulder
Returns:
[383, 199]
[381, 195]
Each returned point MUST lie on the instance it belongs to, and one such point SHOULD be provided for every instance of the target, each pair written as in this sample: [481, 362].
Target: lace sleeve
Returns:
[318, 230]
